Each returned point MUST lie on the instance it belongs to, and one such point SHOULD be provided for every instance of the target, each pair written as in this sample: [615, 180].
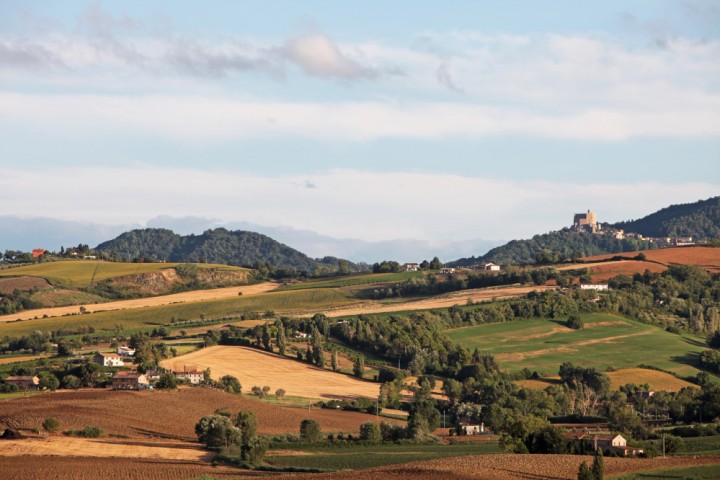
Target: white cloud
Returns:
[345, 204]
[318, 55]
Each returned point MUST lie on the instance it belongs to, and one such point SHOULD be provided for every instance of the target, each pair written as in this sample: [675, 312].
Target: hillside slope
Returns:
[699, 220]
[214, 246]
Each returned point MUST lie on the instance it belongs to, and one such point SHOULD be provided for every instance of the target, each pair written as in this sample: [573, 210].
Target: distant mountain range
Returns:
[700, 220]
[213, 246]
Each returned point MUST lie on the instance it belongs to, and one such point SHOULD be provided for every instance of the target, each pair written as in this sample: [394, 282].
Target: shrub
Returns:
[575, 323]
[280, 393]
[51, 424]
[370, 432]
[231, 384]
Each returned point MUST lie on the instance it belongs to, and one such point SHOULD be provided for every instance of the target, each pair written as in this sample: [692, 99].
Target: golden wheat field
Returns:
[258, 368]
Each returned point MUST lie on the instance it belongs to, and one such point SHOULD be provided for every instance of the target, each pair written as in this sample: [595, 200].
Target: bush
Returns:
[370, 432]
[280, 393]
[87, 432]
[231, 384]
[51, 424]
[310, 430]
[167, 381]
[575, 323]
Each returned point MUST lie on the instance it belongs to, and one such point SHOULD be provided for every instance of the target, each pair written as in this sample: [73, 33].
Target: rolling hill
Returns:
[699, 220]
[214, 246]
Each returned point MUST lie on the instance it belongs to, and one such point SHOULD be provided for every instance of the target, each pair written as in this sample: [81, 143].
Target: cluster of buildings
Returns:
[490, 267]
[587, 222]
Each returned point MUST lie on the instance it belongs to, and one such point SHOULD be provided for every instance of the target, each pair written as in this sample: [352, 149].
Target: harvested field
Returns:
[102, 447]
[88, 468]
[705, 257]
[185, 297]
[255, 367]
[25, 283]
[24, 358]
[657, 380]
[510, 467]
[441, 301]
[605, 271]
[165, 414]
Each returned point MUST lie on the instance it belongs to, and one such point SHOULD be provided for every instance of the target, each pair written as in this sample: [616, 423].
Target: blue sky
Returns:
[366, 120]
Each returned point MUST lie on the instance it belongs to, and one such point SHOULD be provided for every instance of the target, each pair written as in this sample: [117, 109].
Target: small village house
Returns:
[487, 266]
[411, 267]
[447, 270]
[599, 287]
[126, 351]
[24, 382]
[38, 252]
[606, 442]
[193, 377]
[130, 381]
[108, 360]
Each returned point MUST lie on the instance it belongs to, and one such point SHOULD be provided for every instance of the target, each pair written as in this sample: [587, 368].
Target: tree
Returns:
[280, 393]
[598, 469]
[266, 339]
[575, 322]
[48, 381]
[51, 424]
[71, 382]
[248, 425]
[359, 366]
[310, 430]
[280, 337]
[584, 472]
[370, 432]
[435, 264]
[334, 360]
[168, 380]
[217, 431]
[254, 450]
[231, 384]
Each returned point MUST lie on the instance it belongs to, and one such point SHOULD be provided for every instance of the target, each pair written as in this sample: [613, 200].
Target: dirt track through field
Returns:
[103, 447]
[185, 297]
[255, 367]
[442, 301]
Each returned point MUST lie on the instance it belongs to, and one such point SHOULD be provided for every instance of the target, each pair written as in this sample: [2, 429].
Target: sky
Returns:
[454, 126]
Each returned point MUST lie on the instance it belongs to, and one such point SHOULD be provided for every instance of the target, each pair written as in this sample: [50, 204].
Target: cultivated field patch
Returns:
[657, 380]
[255, 367]
[705, 257]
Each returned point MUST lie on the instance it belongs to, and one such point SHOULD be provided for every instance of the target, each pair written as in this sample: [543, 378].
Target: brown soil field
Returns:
[89, 468]
[164, 414]
[441, 301]
[657, 380]
[255, 367]
[101, 447]
[705, 257]
[605, 271]
[193, 296]
[509, 467]
[10, 284]
[5, 361]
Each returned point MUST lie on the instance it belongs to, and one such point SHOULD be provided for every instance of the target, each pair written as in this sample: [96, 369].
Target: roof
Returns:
[592, 436]
[21, 377]
[128, 375]
[112, 355]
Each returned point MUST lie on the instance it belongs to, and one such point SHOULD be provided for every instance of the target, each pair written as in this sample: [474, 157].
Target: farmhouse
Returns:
[193, 376]
[38, 252]
[411, 267]
[467, 428]
[447, 270]
[600, 287]
[24, 382]
[126, 351]
[130, 381]
[487, 266]
[603, 441]
[108, 359]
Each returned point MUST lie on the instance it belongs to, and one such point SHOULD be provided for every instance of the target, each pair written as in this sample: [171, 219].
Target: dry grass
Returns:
[657, 380]
[165, 414]
[185, 297]
[255, 367]
[25, 358]
[509, 467]
[9, 285]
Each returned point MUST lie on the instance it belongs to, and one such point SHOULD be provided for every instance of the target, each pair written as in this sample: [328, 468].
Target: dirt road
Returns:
[193, 296]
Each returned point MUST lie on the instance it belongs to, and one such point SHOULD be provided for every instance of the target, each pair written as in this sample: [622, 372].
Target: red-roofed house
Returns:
[38, 252]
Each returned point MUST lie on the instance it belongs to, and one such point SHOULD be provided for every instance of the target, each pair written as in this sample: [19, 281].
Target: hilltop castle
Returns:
[586, 221]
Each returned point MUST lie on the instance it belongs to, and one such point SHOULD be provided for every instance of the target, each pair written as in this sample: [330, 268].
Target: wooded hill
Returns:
[212, 246]
[699, 220]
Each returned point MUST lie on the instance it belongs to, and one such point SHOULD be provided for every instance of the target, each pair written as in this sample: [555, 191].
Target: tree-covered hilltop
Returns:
[699, 220]
[212, 246]
[553, 247]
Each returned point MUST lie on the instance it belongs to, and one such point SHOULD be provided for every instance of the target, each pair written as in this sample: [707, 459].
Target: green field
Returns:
[83, 273]
[704, 472]
[152, 317]
[354, 457]
[607, 341]
[352, 280]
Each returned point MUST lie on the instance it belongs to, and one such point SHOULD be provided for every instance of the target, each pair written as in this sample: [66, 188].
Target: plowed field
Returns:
[509, 467]
[165, 414]
[255, 367]
[657, 380]
[705, 257]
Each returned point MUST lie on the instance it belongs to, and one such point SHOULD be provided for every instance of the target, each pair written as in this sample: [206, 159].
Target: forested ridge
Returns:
[212, 246]
[700, 220]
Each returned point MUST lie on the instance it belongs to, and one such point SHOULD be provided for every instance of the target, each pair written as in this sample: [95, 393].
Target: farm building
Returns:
[603, 441]
[24, 382]
[411, 267]
[130, 381]
[38, 252]
[447, 270]
[108, 360]
[191, 376]
[466, 428]
[126, 351]
[600, 287]
[487, 266]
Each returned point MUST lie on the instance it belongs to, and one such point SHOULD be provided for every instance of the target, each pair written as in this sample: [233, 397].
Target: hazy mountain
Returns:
[699, 220]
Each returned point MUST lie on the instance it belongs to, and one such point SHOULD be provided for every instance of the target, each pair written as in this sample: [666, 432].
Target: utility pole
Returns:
[443, 418]
[663, 444]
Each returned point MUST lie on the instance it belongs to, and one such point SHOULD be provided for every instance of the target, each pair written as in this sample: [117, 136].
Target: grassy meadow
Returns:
[151, 317]
[83, 273]
[354, 280]
[606, 341]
